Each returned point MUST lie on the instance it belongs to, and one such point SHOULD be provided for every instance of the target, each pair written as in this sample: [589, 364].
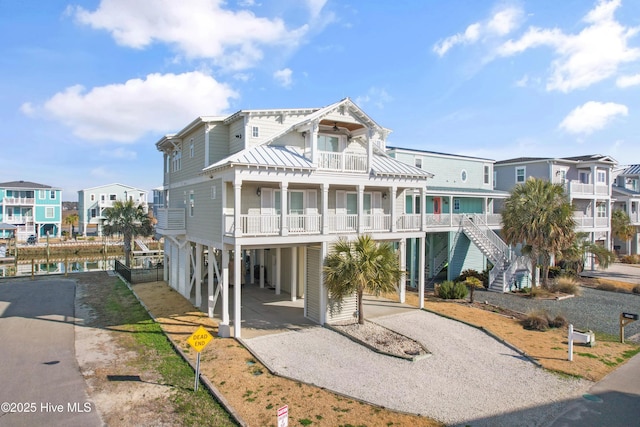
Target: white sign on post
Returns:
[283, 416]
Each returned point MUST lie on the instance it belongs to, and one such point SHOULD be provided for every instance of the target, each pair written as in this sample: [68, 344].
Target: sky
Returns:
[88, 87]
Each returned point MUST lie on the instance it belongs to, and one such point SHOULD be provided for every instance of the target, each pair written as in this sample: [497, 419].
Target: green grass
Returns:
[195, 408]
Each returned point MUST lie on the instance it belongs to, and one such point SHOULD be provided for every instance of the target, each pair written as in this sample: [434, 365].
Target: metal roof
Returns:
[625, 191]
[631, 170]
[280, 157]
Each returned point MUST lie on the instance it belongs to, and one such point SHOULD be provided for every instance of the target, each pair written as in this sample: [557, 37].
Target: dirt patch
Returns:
[248, 386]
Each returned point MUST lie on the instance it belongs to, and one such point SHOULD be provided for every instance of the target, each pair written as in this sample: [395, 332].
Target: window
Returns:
[112, 197]
[495, 178]
[49, 212]
[456, 205]
[167, 168]
[418, 163]
[563, 176]
[602, 177]
[52, 194]
[103, 197]
[93, 213]
[486, 174]
[584, 178]
[176, 161]
[92, 197]
[463, 175]
[255, 131]
[213, 192]
[601, 210]
[42, 194]
[328, 143]
[191, 149]
[192, 203]
[521, 174]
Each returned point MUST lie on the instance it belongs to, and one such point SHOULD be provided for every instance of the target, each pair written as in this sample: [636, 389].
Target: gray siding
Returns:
[206, 222]
[236, 144]
[312, 286]
[218, 143]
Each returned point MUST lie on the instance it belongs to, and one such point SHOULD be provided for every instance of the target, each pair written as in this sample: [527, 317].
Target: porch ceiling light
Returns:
[335, 127]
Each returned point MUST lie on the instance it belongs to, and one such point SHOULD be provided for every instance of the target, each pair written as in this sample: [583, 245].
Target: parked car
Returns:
[32, 240]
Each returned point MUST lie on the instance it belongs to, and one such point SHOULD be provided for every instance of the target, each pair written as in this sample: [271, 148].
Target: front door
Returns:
[437, 205]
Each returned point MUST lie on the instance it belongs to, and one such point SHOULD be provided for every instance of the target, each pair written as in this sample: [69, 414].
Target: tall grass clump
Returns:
[566, 285]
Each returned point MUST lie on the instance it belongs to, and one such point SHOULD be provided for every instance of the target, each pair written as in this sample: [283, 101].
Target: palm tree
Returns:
[71, 220]
[359, 266]
[539, 216]
[621, 225]
[573, 257]
[128, 219]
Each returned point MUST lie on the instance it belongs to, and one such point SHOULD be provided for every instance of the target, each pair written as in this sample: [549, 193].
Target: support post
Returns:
[570, 343]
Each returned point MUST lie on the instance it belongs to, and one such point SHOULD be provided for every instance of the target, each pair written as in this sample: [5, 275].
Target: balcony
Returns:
[342, 162]
[585, 222]
[577, 189]
[18, 201]
[171, 221]
[18, 219]
[454, 220]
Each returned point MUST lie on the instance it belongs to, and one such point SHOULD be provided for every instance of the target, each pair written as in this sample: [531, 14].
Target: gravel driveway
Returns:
[595, 310]
[470, 378]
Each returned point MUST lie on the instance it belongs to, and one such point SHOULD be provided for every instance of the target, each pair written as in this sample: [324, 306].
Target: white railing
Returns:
[408, 222]
[343, 223]
[575, 188]
[344, 162]
[494, 219]
[519, 263]
[171, 219]
[585, 221]
[634, 218]
[19, 219]
[438, 220]
[18, 200]
[454, 219]
[305, 224]
[376, 222]
[257, 225]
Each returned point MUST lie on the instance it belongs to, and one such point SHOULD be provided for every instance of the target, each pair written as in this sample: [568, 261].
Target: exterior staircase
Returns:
[505, 264]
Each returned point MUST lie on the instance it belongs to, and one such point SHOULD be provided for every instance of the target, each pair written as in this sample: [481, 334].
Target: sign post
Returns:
[570, 342]
[625, 319]
[198, 340]
[283, 416]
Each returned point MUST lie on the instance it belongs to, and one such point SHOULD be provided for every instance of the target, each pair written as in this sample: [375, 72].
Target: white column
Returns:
[252, 267]
[423, 208]
[403, 266]
[294, 272]
[237, 290]
[198, 274]
[360, 209]
[223, 328]
[185, 269]
[421, 266]
[394, 215]
[314, 142]
[284, 214]
[325, 208]
[324, 296]
[237, 194]
[261, 254]
[210, 307]
[277, 272]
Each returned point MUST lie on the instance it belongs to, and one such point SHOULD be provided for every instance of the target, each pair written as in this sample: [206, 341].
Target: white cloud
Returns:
[501, 23]
[523, 82]
[283, 77]
[375, 96]
[587, 57]
[592, 116]
[203, 29]
[626, 81]
[125, 112]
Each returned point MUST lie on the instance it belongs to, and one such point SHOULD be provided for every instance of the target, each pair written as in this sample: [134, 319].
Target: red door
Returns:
[437, 203]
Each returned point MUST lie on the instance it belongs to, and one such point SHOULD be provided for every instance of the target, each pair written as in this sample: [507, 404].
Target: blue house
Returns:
[33, 208]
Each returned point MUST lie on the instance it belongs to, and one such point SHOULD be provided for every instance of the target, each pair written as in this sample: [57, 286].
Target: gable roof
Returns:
[575, 159]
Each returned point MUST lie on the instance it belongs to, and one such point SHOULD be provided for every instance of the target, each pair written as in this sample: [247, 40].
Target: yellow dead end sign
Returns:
[199, 340]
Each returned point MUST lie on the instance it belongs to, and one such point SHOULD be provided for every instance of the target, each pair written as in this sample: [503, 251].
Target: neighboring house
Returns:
[587, 181]
[461, 221]
[33, 208]
[93, 201]
[626, 193]
[274, 189]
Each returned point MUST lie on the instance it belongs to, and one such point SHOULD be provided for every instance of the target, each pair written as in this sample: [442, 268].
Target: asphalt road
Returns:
[40, 382]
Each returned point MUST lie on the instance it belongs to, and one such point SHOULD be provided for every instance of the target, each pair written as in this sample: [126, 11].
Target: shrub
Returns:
[566, 285]
[541, 320]
[554, 271]
[558, 322]
[630, 259]
[536, 321]
[606, 287]
[636, 289]
[483, 277]
[452, 290]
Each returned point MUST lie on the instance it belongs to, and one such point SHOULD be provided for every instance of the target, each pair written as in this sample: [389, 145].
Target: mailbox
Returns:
[630, 316]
